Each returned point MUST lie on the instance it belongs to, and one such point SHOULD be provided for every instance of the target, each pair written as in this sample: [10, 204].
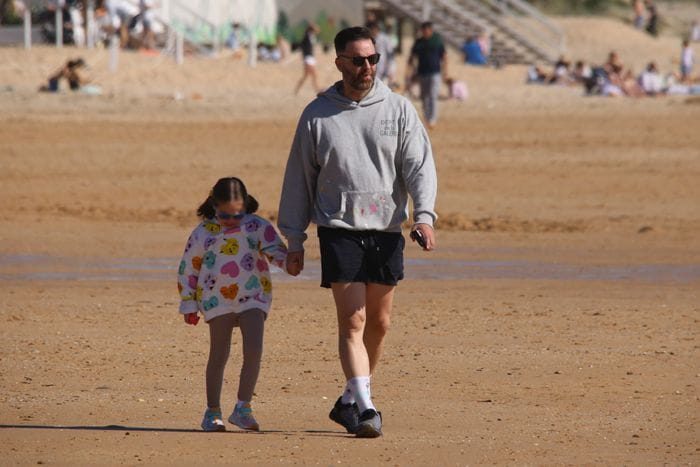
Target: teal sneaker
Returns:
[212, 420]
[243, 418]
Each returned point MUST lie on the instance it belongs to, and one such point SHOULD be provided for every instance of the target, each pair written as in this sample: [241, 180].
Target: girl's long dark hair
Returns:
[225, 190]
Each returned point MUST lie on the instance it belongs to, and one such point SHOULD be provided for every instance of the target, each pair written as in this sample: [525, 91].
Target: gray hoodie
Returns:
[353, 164]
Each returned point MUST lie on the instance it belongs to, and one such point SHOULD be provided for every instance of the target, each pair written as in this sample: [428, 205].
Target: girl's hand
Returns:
[192, 318]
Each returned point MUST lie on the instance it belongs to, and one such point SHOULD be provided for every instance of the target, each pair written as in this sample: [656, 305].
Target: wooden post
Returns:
[114, 46]
[90, 28]
[179, 49]
[59, 25]
[27, 28]
[216, 43]
[252, 49]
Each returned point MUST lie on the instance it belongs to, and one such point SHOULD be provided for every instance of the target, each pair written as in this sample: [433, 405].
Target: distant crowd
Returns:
[614, 78]
[135, 26]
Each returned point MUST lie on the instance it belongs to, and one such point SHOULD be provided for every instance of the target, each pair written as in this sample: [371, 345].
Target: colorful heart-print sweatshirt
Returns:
[225, 270]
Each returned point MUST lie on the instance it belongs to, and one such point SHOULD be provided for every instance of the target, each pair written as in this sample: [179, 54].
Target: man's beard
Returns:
[361, 84]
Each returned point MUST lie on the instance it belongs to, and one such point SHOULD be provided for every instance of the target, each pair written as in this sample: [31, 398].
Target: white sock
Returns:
[361, 391]
[347, 397]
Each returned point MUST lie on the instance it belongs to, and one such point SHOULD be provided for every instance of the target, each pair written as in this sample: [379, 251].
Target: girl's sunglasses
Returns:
[225, 216]
[359, 61]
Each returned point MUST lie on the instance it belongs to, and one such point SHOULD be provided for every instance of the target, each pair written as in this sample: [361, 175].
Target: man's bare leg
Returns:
[380, 299]
[350, 305]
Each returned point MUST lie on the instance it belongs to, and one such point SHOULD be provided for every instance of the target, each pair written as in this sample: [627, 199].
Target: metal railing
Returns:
[513, 24]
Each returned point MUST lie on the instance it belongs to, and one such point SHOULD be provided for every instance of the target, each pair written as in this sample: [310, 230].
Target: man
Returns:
[429, 52]
[358, 152]
[147, 16]
[384, 47]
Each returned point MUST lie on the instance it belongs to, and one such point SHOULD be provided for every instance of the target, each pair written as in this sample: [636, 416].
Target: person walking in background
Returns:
[687, 61]
[694, 31]
[394, 45]
[307, 52]
[427, 60]
[224, 274]
[653, 20]
[385, 49]
[147, 17]
[638, 9]
[358, 153]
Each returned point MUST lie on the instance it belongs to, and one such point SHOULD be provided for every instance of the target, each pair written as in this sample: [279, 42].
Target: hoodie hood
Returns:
[378, 93]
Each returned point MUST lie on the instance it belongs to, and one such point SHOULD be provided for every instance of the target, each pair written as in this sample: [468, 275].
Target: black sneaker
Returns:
[369, 425]
[345, 414]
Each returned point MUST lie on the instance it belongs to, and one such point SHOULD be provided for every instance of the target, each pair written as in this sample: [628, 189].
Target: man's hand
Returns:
[428, 235]
[295, 262]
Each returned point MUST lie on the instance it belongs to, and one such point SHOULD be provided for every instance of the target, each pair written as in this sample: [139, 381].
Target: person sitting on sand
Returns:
[581, 72]
[69, 72]
[613, 65]
[535, 74]
[651, 81]
[473, 52]
[560, 75]
[620, 80]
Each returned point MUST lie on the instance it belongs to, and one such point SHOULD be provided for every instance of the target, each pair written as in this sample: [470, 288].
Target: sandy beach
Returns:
[557, 322]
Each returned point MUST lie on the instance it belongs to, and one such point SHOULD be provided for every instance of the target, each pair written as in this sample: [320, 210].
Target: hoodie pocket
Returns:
[367, 210]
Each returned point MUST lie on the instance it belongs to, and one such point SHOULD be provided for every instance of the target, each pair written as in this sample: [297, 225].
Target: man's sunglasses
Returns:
[360, 61]
[225, 216]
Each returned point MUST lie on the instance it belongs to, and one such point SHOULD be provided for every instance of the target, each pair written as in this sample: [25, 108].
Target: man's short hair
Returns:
[347, 35]
[426, 25]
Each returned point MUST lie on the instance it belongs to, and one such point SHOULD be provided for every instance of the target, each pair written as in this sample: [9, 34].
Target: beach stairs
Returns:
[519, 33]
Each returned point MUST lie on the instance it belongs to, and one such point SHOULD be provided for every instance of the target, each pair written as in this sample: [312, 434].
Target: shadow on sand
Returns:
[325, 433]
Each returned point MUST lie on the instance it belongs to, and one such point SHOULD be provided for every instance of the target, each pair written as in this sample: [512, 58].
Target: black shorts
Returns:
[368, 256]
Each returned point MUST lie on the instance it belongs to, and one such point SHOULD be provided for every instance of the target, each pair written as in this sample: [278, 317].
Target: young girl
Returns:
[224, 274]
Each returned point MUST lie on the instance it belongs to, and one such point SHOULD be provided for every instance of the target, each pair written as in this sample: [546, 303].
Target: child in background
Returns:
[224, 274]
[457, 89]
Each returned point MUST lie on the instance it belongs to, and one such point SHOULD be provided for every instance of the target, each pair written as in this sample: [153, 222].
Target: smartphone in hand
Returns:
[417, 236]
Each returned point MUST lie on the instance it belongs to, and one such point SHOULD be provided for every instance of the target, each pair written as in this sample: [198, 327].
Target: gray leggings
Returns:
[252, 324]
